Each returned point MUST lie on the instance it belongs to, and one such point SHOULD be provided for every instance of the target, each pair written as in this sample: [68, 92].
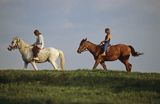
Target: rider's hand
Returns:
[102, 43]
[33, 45]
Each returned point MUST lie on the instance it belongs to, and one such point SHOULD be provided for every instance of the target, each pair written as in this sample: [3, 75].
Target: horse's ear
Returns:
[18, 39]
[15, 38]
[85, 39]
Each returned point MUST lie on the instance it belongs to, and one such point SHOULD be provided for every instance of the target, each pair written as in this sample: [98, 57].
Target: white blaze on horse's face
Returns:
[14, 44]
[82, 46]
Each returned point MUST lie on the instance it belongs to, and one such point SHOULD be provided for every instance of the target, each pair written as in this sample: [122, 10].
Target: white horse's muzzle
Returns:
[10, 48]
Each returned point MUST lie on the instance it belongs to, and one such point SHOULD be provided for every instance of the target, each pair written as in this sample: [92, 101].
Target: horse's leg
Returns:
[34, 65]
[127, 65]
[130, 67]
[96, 64]
[124, 60]
[55, 66]
[25, 65]
[104, 66]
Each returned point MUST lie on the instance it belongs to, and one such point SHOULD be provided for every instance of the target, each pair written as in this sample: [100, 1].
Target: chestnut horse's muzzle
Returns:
[78, 51]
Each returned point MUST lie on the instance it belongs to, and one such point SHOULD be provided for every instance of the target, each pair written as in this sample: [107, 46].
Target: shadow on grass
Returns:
[27, 101]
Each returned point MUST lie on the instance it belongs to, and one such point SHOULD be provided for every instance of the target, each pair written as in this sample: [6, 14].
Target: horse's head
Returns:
[14, 44]
[82, 46]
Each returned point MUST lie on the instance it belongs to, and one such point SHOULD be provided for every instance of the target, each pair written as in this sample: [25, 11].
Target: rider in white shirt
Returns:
[38, 45]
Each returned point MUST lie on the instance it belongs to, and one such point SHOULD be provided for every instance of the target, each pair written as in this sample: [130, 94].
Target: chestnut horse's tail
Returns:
[133, 52]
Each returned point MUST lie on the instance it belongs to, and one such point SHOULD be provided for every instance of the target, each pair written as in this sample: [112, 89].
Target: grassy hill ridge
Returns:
[79, 86]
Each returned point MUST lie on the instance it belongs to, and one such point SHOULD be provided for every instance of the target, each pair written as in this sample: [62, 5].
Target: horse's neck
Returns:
[93, 48]
[23, 47]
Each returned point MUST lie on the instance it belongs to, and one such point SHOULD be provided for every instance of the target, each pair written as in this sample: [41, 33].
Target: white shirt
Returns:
[40, 41]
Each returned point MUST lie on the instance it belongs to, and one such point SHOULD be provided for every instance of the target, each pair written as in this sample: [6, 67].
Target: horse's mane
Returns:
[98, 45]
[92, 43]
[16, 38]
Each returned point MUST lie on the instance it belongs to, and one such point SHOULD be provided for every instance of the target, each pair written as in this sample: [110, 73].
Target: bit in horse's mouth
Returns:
[78, 52]
[9, 48]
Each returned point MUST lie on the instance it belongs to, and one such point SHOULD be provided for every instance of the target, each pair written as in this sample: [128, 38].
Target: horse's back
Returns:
[119, 46]
[50, 50]
[47, 54]
[53, 51]
[122, 48]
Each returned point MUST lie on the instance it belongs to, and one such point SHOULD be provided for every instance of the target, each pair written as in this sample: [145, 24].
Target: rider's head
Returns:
[36, 32]
[107, 30]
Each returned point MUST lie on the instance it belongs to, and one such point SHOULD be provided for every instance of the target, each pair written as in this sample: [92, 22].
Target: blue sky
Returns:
[64, 23]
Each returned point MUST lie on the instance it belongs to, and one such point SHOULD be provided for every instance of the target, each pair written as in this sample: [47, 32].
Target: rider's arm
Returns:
[35, 43]
[108, 37]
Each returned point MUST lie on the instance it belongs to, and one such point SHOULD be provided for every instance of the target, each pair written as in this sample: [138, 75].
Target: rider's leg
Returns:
[35, 52]
[34, 65]
[105, 48]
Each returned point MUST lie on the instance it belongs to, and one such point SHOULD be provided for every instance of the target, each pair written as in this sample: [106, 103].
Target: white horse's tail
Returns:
[61, 55]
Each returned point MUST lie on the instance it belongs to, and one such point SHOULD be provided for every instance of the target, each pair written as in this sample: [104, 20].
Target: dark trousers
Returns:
[35, 51]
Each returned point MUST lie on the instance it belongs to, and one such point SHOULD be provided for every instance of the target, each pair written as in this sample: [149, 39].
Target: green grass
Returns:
[80, 86]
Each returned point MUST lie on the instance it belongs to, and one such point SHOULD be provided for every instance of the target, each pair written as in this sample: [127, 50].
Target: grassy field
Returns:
[78, 87]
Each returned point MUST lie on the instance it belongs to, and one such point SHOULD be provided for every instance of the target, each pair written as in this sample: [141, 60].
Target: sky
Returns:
[64, 23]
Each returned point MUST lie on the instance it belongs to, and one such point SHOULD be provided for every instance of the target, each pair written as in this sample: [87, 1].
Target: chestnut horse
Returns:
[119, 51]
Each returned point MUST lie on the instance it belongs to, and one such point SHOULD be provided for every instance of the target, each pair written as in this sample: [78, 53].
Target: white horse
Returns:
[46, 54]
